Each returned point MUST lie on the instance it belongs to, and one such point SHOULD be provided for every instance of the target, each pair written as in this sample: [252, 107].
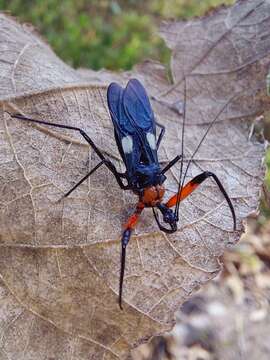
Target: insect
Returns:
[136, 138]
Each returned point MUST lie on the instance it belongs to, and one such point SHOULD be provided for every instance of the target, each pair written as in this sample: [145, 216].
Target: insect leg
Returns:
[171, 163]
[118, 176]
[161, 133]
[161, 227]
[84, 178]
[107, 162]
[193, 184]
[130, 225]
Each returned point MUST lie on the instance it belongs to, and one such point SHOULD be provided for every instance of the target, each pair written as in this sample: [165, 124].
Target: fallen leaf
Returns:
[59, 260]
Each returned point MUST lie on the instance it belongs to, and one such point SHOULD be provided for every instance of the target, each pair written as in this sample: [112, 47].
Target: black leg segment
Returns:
[161, 134]
[171, 163]
[206, 174]
[84, 178]
[124, 243]
[105, 161]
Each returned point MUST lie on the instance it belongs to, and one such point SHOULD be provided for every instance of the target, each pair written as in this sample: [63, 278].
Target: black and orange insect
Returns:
[135, 134]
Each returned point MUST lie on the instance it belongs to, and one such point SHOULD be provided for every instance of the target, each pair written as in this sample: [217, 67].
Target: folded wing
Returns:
[134, 124]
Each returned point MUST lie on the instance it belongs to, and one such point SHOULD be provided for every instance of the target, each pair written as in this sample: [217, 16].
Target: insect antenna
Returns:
[195, 152]
[181, 183]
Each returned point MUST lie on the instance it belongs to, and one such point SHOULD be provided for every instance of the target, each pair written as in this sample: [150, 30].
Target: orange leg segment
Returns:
[134, 218]
[186, 190]
[193, 184]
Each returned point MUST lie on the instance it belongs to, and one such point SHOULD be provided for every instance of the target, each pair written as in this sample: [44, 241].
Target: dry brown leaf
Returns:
[59, 260]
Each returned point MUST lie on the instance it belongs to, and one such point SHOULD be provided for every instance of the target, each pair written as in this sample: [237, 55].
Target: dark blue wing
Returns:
[123, 129]
[134, 124]
[137, 106]
[138, 109]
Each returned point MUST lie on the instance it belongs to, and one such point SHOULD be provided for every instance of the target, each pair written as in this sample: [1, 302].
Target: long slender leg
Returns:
[107, 162]
[193, 184]
[161, 133]
[84, 178]
[171, 163]
[130, 225]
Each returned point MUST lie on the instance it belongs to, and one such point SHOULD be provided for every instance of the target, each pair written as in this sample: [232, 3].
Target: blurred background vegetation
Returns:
[105, 33]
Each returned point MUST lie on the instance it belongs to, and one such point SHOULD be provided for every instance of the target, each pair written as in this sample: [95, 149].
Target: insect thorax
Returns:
[145, 176]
